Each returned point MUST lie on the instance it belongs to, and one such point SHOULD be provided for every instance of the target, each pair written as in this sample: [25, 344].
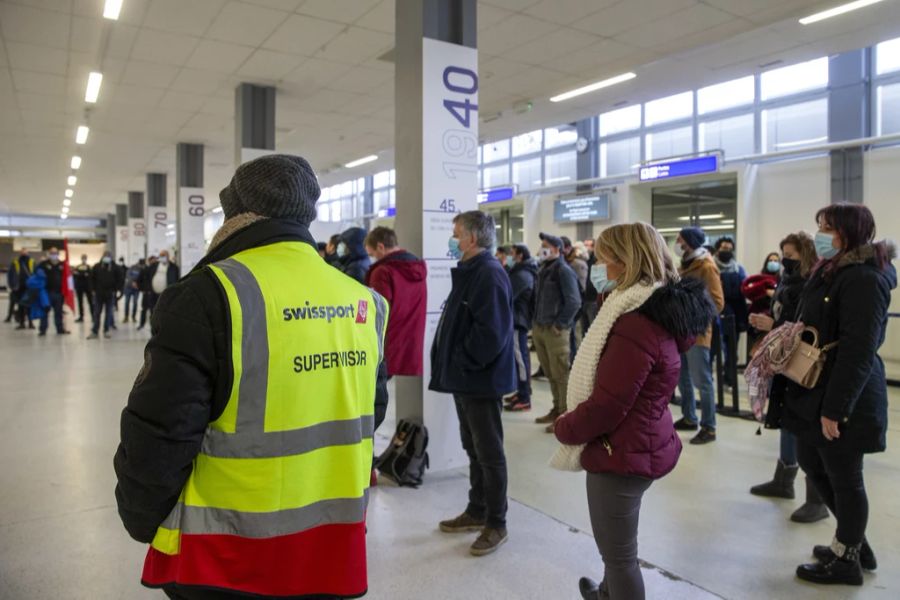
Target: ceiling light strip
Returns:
[95, 80]
[837, 11]
[593, 87]
[111, 9]
[362, 161]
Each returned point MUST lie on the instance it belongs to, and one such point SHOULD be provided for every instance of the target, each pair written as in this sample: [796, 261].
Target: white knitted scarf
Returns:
[584, 369]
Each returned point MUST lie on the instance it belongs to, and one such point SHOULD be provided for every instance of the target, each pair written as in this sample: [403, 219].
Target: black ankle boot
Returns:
[591, 590]
[813, 509]
[842, 568]
[867, 558]
[782, 484]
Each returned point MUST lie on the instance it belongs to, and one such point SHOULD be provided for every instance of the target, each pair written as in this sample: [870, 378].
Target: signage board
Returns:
[496, 195]
[137, 240]
[581, 208]
[191, 241]
[158, 220]
[680, 168]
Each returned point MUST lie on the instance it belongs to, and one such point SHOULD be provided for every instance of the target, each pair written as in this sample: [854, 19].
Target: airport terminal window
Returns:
[794, 126]
[802, 77]
[730, 94]
[324, 212]
[560, 167]
[671, 108]
[733, 135]
[620, 157]
[671, 142]
[887, 57]
[381, 180]
[528, 143]
[495, 151]
[623, 119]
[381, 199]
[527, 173]
[495, 176]
[564, 135]
[888, 99]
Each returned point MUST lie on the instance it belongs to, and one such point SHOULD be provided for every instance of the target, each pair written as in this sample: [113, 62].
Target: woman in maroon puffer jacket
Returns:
[625, 422]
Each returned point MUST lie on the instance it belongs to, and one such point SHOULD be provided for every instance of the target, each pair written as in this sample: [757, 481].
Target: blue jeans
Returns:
[788, 453]
[696, 370]
[109, 303]
[56, 305]
[523, 365]
[131, 301]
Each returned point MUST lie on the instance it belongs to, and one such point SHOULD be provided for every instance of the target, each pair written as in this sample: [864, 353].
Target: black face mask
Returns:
[791, 265]
[726, 256]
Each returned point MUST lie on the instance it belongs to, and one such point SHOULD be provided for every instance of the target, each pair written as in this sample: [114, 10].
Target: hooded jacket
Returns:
[704, 269]
[400, 278]
[626, 422]
[523, 277]
[848, 305]
[356, 262]
[185, 385]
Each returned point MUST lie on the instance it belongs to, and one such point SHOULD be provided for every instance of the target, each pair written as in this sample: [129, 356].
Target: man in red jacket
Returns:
[399, 276]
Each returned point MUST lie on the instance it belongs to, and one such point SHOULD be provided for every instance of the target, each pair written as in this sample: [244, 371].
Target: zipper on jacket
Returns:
[605, 441]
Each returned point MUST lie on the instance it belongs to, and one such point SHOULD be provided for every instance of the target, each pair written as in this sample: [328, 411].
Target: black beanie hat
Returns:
[279, 186]
[693, 237]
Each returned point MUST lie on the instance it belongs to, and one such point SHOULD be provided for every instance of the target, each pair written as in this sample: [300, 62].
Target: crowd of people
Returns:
[37, 289]
[215, 441]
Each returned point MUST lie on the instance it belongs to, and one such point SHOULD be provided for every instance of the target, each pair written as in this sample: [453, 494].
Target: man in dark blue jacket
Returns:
[353, 259]
[473, 358]
[523, 276]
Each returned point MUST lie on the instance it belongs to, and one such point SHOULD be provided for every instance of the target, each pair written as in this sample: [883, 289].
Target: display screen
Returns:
[680, 168]
[581, 208]
[496, 195]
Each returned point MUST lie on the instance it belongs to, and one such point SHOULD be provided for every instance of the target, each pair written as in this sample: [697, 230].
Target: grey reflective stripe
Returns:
[380, 316]
[251, 409]
[210, 520]
[270, 444]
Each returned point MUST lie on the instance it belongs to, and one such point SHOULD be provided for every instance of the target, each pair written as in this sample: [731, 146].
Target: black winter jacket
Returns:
[54, 276]
[848, 306]
[473, 352]
[523, 277]
[106, 280]
[185, 384]
[557, 295]
[356, 262]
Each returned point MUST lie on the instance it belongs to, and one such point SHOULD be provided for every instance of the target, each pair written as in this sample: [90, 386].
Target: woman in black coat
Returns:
[845, 416]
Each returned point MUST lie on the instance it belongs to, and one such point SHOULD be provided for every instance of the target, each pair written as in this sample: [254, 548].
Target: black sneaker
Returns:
[683, 424]
[867, 558]
[705, 436]
[519, 406]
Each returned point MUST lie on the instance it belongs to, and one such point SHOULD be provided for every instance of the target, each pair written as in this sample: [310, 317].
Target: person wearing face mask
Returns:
[145, 285]
[331, 255]
[845, 416]
[557, 301]
[107, 280]
[732, 275]
[696, 366]
[399, 276]
[473, 358]
[353, 261]
[504, 255]
[132, 290]
[799, 254]
[759, 290]
[53, 269]
[159, 276]
[523, 276]
[619, 428]
[81, 275]
[20, 270]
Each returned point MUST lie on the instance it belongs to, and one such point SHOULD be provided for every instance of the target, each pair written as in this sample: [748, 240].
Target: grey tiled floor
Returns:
[60, 536]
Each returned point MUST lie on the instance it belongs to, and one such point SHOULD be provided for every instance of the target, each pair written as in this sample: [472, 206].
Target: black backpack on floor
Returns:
[406, 459]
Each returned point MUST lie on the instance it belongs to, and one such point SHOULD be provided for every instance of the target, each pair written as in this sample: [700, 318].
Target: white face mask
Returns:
[163, 260]
[545, 254]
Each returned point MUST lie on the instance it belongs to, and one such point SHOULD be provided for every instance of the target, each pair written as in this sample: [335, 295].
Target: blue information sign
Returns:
[385, 213]
[496, 195]
[680, 168]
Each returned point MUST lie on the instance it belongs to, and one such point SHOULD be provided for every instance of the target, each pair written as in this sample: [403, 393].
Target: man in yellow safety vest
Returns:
[247, 439]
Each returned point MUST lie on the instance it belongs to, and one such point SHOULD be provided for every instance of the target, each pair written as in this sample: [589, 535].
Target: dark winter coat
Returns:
[400, 278]
[626, 422]
[54, 273]
[732, 276]
[849, 306]
[19, 271]
[473, 352]
[557, 295]
[185, 384]
[756, 289]
[356, 262]
[106, 280]
[523, 277]
[81, 276]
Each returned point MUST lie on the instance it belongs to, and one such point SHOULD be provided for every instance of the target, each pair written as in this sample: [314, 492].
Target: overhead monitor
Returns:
[680, 168]
[594, 207]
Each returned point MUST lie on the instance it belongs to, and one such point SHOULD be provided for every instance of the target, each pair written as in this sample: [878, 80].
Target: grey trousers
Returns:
[614, 502]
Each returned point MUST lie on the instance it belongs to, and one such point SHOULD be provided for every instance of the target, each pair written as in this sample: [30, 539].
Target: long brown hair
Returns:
[806, 247]
[855, 225]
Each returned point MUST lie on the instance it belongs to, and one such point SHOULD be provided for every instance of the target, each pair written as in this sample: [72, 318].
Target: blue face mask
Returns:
[455, 252]
[600, 279]
[824, 247]
[342, 250]
[107, 260]
[510, 262]
[773, 266]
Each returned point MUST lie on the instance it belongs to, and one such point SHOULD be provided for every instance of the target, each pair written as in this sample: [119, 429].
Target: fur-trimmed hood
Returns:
[684, 309]
[868, 255]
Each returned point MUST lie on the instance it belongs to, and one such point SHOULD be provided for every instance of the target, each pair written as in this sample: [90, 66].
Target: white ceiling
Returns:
[171, 66]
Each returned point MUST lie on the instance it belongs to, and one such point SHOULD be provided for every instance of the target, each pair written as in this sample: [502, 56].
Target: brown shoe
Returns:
[551, 428]
[488, 542]
[462, 524]
[550, 417]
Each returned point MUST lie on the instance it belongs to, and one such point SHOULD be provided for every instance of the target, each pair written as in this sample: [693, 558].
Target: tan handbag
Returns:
[807, 362]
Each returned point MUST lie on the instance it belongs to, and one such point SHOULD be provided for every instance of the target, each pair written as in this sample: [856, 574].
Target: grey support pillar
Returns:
[120, 247]
[111, 232]
[587, 166]
[137, 228]
[849, 99]
[436, 145]
[191, 205]
[158, 217]
[254, 122]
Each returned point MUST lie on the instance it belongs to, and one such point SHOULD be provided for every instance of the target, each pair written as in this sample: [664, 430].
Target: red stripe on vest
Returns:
[327, 560]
